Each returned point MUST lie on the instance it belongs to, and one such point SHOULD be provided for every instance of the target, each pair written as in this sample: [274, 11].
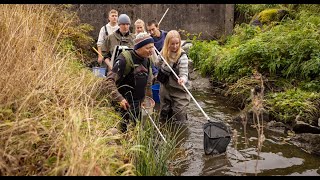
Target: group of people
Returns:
[130, 76]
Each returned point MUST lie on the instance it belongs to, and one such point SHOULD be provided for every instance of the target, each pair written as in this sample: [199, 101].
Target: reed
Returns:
[152, 155]
[52, 121]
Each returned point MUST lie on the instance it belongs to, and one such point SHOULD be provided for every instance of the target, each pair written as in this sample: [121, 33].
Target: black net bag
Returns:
[216, 137]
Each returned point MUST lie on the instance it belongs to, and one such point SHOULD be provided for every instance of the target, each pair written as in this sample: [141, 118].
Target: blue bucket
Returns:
[99, 71]
[155, 92]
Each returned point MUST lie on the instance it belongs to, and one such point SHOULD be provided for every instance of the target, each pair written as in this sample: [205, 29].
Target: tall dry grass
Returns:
[50, 119]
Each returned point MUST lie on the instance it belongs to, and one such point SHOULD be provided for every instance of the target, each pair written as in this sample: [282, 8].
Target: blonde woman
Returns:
[173, 97]
[139, 26]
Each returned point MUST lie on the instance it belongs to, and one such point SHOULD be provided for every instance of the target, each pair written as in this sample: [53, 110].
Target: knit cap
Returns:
[142, 39]
[124, 19]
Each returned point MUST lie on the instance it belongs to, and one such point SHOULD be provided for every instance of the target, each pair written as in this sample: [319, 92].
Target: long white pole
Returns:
[207, 117]
[163, 16]
[154, 124]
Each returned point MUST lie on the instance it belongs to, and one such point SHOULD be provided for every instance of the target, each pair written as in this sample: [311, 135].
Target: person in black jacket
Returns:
[129, 86]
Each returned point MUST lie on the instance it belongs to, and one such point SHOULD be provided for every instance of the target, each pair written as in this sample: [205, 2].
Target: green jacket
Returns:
[117, 38]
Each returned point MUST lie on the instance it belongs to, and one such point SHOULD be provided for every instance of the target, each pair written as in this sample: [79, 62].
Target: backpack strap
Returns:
[176, 63]
[129, 63]
[105, 28]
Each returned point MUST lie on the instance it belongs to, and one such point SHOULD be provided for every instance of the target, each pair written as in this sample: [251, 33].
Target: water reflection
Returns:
[266, 161]
[278, 157]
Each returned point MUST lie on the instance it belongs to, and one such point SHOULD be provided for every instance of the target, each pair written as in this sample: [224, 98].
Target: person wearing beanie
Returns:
[173, 97]
[122, 37]
[124, 19]
[152, 58]
[141, 40]
[130, 79]
[104, 32]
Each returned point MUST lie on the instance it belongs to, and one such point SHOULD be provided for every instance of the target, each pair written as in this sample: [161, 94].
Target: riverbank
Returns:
[264, 77]
[301, 134]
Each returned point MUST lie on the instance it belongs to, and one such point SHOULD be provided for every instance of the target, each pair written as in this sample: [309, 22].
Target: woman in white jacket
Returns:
[174, 99]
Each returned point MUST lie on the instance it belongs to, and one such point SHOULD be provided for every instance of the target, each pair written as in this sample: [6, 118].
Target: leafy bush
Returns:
[200, 51]
[289, 50]
[287, 54]
[286, 106]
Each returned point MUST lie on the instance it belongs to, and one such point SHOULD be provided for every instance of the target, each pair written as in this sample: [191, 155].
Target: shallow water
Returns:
[277, 157]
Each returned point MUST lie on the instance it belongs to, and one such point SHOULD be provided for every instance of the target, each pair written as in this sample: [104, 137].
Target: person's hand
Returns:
[181, 81]
[108, 63]
[107, 60]
[124, 104]
[100, 58]
[143, 105]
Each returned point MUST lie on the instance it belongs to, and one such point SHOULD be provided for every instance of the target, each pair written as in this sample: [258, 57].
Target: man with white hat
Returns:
[131, 78]
[122, 37]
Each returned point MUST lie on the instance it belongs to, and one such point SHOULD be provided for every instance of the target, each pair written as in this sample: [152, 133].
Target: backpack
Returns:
[163, 75]
[130, 64]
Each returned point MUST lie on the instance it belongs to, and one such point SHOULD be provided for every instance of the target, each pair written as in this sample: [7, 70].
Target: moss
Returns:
[269, 15]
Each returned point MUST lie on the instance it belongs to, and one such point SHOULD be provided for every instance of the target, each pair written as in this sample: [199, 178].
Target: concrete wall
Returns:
[212, 20]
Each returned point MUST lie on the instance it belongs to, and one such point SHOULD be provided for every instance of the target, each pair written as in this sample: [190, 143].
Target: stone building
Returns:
[211, 20]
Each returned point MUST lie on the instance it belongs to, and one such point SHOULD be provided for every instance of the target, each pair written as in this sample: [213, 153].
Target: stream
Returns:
[277, 157]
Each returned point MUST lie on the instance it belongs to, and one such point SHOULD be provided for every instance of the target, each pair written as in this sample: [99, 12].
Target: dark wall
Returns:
[209, 19]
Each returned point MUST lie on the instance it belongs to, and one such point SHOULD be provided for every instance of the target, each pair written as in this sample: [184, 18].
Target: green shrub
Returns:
[287, 54]
[286, 106]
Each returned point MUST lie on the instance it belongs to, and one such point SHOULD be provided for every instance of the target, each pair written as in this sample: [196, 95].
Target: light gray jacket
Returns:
[182, 64]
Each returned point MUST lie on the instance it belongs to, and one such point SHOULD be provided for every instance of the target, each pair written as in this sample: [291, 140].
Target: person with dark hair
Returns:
[158, 37]
[130, 79]
[157, 34]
